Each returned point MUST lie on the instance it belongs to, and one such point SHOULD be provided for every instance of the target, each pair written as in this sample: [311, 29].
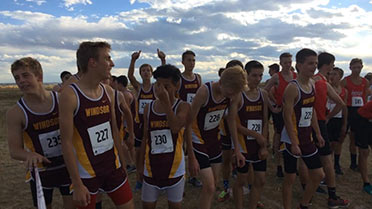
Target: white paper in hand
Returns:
[39, 191]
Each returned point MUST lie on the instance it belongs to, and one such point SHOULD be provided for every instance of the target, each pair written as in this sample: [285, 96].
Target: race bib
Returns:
[161, 141]
[101, 138]
[212, 119]
[51, 144]
[331, 106]
[254, 125]
[141, 105]
[357, 101]
[190, 97]
[305, 118]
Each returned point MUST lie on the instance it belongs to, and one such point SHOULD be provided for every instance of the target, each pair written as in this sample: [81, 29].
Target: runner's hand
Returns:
[81, 196]
[295, 150]
[161, 54]
[263, 153]
[136, 55]
[193, 165]
[321, 141]
[240, 159]
[33, 159]
[161, 93]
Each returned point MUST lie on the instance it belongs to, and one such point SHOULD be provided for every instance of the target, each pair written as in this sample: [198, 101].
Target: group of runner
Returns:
[87, 135]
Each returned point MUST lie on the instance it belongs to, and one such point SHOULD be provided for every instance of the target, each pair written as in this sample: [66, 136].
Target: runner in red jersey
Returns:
[33, 132]
[252, 135]
[280, 81]
[336, 125]
[298, 102]
[324, 90]
[90, 139]
[357, 88]
[145, 95]
[162, 156]
[207, 109]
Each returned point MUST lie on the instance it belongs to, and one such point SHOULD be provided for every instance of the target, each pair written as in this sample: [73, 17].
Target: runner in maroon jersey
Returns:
[207, 110]
[252, 136]
[162, 156]
[298, 102]
[33, 132]
[90, 139]
[145, 94]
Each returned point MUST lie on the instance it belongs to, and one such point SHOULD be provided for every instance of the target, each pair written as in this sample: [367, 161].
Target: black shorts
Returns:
[363, 134]
[257, 166]
[226, 142]
[48, 193]
[205, 161]
[326, 149]
[352, 115]
[290, 162]
[334, 127]
[278, 122]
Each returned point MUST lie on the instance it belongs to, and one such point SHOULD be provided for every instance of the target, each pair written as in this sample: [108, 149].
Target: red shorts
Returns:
[120, 196]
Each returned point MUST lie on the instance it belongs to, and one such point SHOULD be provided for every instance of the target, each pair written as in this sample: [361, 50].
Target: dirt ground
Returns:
[15, 194]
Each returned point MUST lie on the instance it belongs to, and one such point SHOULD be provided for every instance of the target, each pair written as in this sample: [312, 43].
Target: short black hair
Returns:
[339, 70]
[325, 58]
[186, 53]
[168, 71]
[303, 54]
[275, 67]
[114, 78]
[122, 80]
[220, 71]
[64, 73]
[233, 63]
[251, 65]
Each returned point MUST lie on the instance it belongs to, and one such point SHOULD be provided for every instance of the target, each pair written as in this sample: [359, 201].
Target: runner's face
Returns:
[146, 73]
[329, 67]
[104, 63]
[333, 76]
[308, 68]
[286, 63]
[356, 68]
[189, 62]
[26, 80]
[254, 77]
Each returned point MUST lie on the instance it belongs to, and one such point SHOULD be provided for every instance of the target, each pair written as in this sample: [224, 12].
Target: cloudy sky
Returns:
[216, 30]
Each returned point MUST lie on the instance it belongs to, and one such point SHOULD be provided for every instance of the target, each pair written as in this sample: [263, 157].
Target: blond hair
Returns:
[28, 62]
[234, 78]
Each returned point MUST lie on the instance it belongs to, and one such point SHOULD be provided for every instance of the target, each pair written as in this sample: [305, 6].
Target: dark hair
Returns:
[368, 76]
[253, 64]
[274, 67]
[187, 52]
[303, 54]
[145, 65]
[325, 58]
[122, 80]
[339, 70]
[233, 63]
[168, 71]
[87, 50]
[285, 54]
[64, 73]
[356, 60]
[220, 71]
[114, 78]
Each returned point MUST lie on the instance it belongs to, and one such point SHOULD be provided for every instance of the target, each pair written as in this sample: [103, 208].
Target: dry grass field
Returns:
[15, 194]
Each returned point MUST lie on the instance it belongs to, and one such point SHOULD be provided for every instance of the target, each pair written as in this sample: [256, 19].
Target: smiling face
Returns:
[26, 81]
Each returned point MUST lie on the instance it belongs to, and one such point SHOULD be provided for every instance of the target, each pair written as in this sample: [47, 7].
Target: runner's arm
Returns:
[289, 97]
[128, 118]
[132, 78]
[272, 82]
[332, 94]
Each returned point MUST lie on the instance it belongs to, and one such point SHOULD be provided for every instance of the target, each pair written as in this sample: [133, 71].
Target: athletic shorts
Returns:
[257, 166]
[226, 142]
[48, 192]
[120, 196]
[363, 134]
[326, 149]
[150, 193]
[205, 160]
[352, 115]
[290, 162]
[278, 122]
[334, 127]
